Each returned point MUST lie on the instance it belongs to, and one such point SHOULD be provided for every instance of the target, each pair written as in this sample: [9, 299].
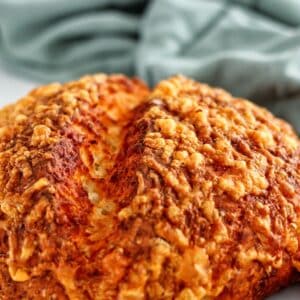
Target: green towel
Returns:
[251, 48]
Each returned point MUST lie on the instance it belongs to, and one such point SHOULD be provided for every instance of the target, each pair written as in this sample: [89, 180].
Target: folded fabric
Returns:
[251, 48]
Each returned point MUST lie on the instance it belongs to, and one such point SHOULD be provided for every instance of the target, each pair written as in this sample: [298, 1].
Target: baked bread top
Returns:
[110, 191]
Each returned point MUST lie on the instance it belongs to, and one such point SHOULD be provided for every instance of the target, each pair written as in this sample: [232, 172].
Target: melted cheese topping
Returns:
[109, 192]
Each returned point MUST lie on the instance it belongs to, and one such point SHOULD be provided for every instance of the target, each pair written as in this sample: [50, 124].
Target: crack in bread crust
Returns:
[112, 192]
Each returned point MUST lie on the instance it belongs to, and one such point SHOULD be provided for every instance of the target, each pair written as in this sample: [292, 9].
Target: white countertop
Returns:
[13, 87]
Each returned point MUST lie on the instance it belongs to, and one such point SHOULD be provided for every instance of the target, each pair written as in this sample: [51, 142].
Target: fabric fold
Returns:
[249, 47]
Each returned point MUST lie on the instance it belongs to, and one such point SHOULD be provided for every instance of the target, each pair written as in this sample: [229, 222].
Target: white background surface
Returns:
[13, 87]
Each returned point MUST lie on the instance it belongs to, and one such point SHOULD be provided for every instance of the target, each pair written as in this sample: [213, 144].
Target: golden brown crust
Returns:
[46, 146]
[112, 193]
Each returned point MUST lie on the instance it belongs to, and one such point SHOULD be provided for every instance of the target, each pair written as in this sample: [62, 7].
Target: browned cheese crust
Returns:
[110, 192]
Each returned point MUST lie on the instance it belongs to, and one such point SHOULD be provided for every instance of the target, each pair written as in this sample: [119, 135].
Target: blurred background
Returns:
[249, 47]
